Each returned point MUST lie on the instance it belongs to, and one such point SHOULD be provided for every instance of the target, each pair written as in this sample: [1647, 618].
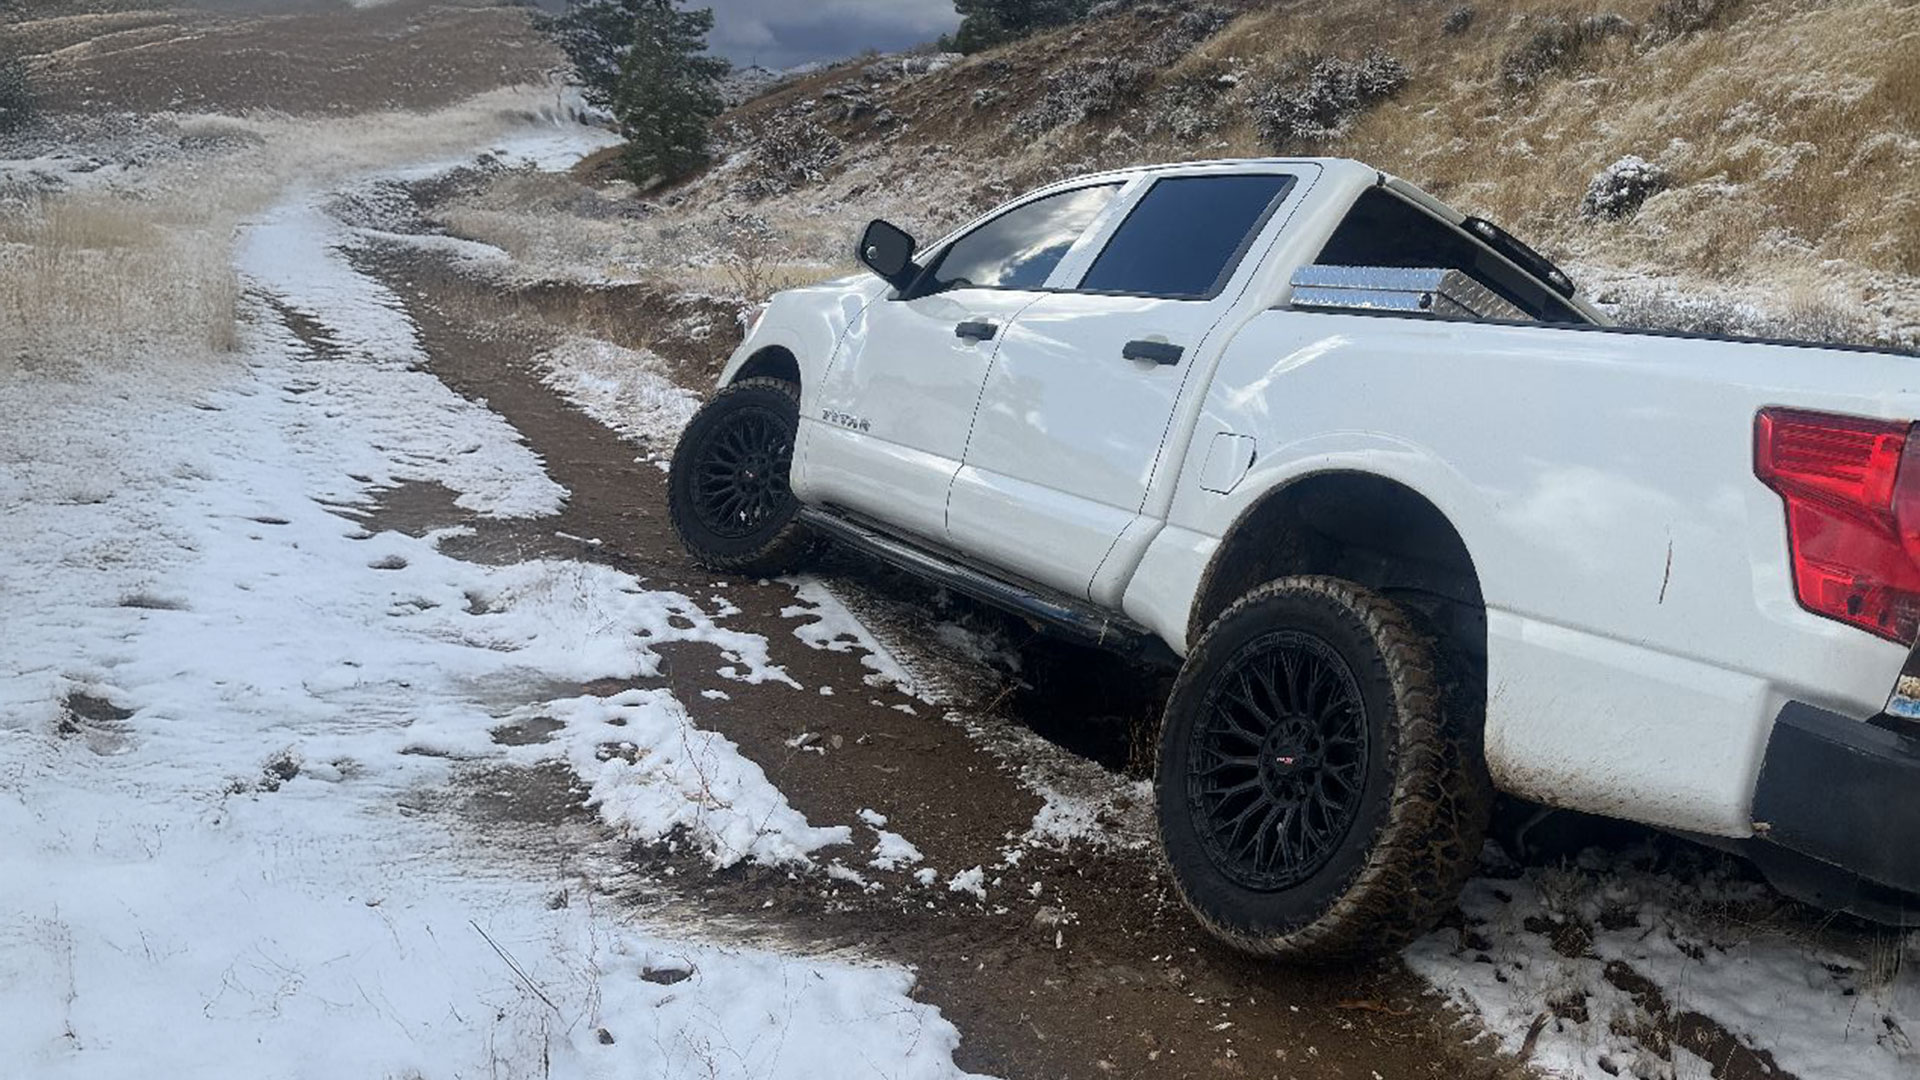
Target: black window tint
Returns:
[1018, 249]
[1383, 229]
[1186, 236]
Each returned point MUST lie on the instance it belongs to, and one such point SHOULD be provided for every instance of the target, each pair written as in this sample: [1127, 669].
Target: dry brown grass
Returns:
[84, 279]
[140, 274]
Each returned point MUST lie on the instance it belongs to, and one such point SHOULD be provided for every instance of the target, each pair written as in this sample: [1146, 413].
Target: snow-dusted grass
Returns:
[229, 718]
[1823, 1002]
[555, 228]
[99, 250]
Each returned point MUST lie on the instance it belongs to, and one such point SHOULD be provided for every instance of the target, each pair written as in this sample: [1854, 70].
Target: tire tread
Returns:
[1430, 840]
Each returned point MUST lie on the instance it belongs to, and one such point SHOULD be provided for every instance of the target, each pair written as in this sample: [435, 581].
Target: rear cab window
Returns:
[1020, 248]
[1186, 236]
[1384, 230]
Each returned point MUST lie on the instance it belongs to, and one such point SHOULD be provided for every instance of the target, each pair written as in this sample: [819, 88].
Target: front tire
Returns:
[1320, 798]
[727, 487]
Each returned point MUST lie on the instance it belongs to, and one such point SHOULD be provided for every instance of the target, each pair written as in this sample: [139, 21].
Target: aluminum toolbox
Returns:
[1444, 294]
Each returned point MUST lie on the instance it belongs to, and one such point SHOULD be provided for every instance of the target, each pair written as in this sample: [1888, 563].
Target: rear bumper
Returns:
[1845, 794]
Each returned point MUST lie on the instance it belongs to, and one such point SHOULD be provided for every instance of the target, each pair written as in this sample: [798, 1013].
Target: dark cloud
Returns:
[782, 33]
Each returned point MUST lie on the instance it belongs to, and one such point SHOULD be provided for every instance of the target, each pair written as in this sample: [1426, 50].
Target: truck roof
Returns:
[1359, 174]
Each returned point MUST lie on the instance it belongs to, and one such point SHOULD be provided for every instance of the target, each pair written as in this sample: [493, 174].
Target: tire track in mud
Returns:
[1079, 960]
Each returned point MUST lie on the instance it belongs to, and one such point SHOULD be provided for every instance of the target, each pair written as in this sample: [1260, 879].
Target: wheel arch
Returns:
[1367, 528]
[769, 362]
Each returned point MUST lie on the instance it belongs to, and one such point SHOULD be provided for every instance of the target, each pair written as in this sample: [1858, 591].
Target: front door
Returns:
[1074, 412]
[887, 430]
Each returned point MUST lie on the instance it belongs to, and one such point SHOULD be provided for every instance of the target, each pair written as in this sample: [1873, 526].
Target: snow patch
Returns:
[969, 881]
[653, 772]
[627, 390]
[1711, 943]
[836, 629]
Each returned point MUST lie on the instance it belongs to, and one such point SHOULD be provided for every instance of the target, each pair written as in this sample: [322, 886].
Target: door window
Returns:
[1186, 236]
[1020, 248]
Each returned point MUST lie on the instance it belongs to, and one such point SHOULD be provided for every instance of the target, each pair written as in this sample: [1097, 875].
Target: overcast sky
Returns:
[781, 33]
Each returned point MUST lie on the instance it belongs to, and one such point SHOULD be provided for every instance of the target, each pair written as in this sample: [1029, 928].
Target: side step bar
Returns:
[1076, 620]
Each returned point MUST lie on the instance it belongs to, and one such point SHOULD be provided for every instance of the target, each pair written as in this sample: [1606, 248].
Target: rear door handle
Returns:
[1159, 352]
[978, 331]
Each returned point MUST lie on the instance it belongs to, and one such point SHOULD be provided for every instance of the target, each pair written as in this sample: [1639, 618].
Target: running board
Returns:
[1076, 620]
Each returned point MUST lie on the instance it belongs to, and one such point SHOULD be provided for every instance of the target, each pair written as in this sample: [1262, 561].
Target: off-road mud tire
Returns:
[1418, 822]
[775, 546]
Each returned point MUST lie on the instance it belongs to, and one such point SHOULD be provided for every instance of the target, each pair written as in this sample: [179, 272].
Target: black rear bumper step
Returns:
[1844, 793]
[1076, 620]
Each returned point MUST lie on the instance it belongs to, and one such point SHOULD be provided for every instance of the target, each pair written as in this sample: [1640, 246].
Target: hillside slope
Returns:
[1787, 133]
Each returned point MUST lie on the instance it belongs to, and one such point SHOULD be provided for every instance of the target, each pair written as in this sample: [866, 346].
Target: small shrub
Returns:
[1082, 90]
[1319, 103]
[1457, 21]
[16, 96]
[1819, 321]
[1621, 187]
[747, 248]
[1188, 105]
[791, 155]
[1674, 18]
[1178, 27]
[1556, 45]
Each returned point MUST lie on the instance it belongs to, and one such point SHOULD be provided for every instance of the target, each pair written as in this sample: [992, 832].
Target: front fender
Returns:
[808, 324]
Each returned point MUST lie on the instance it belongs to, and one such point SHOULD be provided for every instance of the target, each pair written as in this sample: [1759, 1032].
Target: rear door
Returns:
[886, 433]
[1075, 408]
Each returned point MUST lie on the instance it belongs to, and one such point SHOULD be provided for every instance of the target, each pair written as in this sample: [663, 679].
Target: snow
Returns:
[836, 629]
[891, 851]
[969, 881]
[652, 771]
[627, 390]
[233, 727]
[1710, 943]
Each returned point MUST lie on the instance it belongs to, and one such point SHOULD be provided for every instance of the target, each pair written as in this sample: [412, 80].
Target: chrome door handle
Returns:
[1159, 352]
[978, 331]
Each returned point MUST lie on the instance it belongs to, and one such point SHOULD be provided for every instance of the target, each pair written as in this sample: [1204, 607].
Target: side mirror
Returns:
[887, 250]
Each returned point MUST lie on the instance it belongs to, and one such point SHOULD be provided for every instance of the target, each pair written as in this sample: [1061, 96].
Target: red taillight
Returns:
[1852, 488]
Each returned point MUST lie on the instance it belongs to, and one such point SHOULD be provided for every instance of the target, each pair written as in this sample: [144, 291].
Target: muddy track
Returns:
[1079, 961]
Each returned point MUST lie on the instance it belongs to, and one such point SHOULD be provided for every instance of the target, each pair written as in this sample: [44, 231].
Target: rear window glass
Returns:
[1186, 236]
[1020, 248]
[1383, 229]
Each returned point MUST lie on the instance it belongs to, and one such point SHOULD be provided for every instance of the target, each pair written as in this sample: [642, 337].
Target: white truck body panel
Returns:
[1642, 627]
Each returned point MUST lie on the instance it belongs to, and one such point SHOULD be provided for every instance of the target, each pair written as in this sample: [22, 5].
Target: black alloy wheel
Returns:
[740, 472]
[1280, 755]
[728, 490]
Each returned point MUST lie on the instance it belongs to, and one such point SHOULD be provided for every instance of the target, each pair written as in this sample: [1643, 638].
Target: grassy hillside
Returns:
[1788, 132]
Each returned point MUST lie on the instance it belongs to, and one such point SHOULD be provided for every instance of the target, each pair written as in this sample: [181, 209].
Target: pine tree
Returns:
[986, 23]
[668, 94]
[646, 62]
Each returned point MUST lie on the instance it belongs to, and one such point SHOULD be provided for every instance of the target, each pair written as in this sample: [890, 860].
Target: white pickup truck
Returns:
[1414, 520]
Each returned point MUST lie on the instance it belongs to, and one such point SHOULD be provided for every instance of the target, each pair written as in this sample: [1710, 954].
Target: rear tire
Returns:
[727, 488]
[1320, 797]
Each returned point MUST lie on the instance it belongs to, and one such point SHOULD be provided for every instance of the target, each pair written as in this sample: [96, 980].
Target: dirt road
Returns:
[1076, 959]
